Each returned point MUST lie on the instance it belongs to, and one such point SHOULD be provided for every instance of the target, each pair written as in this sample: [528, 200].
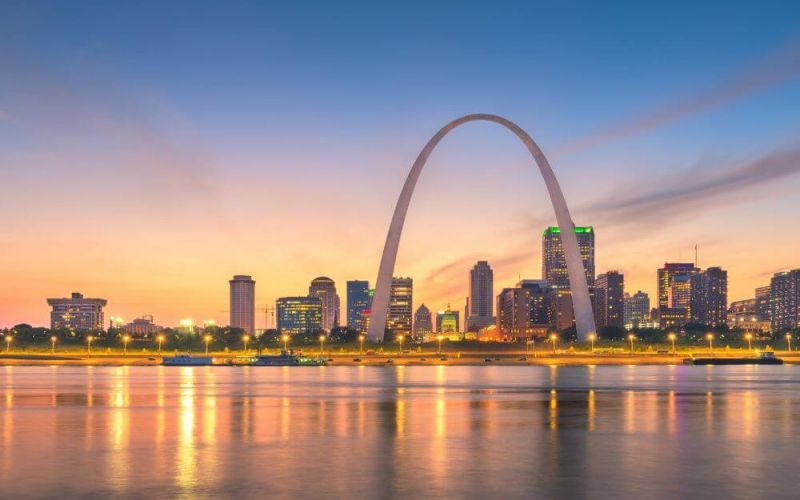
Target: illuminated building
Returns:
[480, 308]
[522, 311]
[762, 302]
[743, 315]
[785, 301]
[709, 297]
[399, 316]
[666, 276]
[143, 327]
[554, 263]
[358, 299]
[447, 321]
[76, 313]
[672, 317]
[423, 322]
[297, 315]
[243, 303]
[608, 299]
[325, 289]
[637, 309]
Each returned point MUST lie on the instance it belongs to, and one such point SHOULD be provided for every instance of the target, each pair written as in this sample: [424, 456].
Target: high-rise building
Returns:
[522, 311]
[667, 274]
[480, 306]
[709, 298]
[76, 313]
[324, 288]
[423, 322]
[399, 316]
[785, 300]
[554, 261]
[762, 302]
[298, 315]
[447, 321]
[608, 297]
[637, 309]
[358, 301]
[243, 303]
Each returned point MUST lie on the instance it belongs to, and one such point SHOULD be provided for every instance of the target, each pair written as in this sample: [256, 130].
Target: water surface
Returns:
[369, 432]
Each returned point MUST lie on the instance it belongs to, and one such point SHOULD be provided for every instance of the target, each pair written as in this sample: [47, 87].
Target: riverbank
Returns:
[395, 359]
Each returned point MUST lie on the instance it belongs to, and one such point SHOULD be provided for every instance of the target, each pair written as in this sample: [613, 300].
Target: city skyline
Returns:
[160, 173]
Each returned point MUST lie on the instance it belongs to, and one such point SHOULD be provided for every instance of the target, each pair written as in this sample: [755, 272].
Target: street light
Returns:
[285, 339]
[672, 337]
[53, 344]
[400, 339]
[361, 340]
[592, 336]
[321, 345]
[710, 337]
[631, 338]
[207, 339]
[125, 339]
[554, 339]
[160, 340]
[89, 339]
[245, 339]
[789, 341]
[749, 337]
[9, 338]
[440, 338]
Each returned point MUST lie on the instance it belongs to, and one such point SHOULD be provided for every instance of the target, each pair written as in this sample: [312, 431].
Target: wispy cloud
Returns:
[775, 68]
[697, 189]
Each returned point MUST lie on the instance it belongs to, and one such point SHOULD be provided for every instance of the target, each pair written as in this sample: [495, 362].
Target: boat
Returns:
[764, 358]
[187, 360]
[288, 359]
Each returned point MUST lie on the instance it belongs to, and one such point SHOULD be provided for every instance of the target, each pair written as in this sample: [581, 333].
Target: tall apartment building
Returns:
[325, 289]
[480, 304]
[637, 309]
[785, 300]
[522, 311]
[399, 316]
[243, 303]
[609, 300]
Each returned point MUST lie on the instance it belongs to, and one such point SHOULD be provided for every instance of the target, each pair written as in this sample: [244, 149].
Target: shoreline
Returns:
[415, 359]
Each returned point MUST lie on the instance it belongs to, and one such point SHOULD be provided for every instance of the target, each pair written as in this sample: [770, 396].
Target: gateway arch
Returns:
[582, 305]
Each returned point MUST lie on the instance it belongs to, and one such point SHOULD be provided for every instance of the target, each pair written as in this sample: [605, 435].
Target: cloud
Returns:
[777, 67]
[696, 189]
[5, 116]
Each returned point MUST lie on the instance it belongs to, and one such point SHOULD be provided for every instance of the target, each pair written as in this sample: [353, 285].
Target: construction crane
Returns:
[269, 316]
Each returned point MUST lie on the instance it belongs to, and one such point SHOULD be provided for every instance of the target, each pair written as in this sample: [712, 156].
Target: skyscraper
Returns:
[665, 277]
[785, 300]
[709, 302]
[637, 309]
[76, 313]
[325, 289]
[357, 303]
[522, 311]
[243, 303]
[480, 307]
[399, 316]
[608, 294]
[299, 315]
[423, 323]
[762, 302]
[554, 262]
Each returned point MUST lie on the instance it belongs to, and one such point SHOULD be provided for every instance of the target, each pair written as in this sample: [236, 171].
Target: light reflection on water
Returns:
[608, 432]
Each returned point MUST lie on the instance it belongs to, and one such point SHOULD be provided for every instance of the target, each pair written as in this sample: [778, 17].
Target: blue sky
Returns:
[287, 128]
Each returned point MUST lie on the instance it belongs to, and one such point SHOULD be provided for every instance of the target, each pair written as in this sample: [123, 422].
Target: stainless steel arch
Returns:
[577, 278]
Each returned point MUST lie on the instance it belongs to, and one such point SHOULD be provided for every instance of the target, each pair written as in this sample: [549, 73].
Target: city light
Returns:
[749, 338]
[672, 338]
[53, 344]
[400, 340]
[631, 338]
[125, 340]
[89, 340]
[207, 340]
[710, 338]
[9, 339]
[592, 337]
[361, 342]
[789, 341]
[440, 338]
[285, 339]
[554, 339]
[245, 340]
[159, 340]
[321, 344]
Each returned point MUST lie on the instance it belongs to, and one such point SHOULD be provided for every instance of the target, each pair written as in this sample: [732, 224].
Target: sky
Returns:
[149, 151]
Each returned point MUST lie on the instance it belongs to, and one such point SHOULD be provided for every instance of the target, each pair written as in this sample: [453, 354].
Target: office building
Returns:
[762, 302]
[480, 303]
[325, 289]
[76, 313]
[243, 303]
[399, 316]
[709, 298]
[522, 311]
[358, 302]
[667, 274]
[554, 262]
[299, 315]
[609, 300]
[423, 322]
[637, 309]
